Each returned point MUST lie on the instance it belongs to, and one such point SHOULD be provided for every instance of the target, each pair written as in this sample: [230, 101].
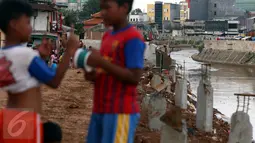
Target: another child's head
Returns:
[15, 19]
[115, 11]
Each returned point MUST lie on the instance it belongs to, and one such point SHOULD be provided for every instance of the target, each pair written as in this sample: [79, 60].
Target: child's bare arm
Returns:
[72, 45]
[46, 75]
[90, 76]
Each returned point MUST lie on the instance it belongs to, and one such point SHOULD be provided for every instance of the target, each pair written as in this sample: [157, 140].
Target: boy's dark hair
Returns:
[13, 9]
[129, 2]
[52, 132]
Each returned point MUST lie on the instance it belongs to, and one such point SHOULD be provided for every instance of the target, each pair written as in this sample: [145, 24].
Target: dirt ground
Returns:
[70, 106]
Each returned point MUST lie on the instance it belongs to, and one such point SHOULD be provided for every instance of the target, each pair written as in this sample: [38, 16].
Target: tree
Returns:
[75, 17]
[90, 7]
[71, 17]
[136, 11]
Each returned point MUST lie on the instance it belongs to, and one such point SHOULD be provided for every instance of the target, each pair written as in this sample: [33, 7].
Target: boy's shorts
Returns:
[112, 128]
[24, 127]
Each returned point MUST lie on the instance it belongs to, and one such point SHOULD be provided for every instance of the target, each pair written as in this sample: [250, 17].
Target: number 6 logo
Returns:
[16, 120]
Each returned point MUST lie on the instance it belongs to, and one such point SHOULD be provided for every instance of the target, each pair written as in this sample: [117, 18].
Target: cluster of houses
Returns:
[47, 20]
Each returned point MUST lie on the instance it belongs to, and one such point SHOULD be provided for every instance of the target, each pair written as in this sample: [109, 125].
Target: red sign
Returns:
[188, 1]
[18, 125]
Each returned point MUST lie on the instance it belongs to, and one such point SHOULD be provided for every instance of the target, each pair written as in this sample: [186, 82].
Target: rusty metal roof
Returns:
[93, 21]
[43, 7]
[97, 15]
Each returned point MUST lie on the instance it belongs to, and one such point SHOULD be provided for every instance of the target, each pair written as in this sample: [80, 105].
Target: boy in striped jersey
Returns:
[118, 69]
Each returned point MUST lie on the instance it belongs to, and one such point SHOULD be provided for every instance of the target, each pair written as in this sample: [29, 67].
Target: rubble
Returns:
[152, 83]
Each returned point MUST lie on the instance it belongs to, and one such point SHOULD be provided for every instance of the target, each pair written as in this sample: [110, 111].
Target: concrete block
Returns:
[145, 102]
[169, 135]
[172, 71]
[181, 93]
[157, 108]
[241, 128]
[150, 53]
[94, 43]
[204, 116]
[155, 81]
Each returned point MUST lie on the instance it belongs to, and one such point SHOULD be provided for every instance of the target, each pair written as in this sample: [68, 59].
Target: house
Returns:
[137, 18]
[95, 20]
[45, 18]
[94, 27]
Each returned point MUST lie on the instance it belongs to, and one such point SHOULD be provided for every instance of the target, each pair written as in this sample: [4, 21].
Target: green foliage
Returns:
[79, 28]
[183, 42]
[90, 7]
[70, 17]
[200, 47]
[77, 17]
[198, 42]
[191, 42]
[177, 43]
[136, 11]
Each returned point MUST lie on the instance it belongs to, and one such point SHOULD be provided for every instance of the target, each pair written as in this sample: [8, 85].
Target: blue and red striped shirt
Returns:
[124, 48]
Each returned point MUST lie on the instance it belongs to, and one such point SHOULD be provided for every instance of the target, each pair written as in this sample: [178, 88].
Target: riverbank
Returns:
[220, 127]
[238, 53]
[226, 80]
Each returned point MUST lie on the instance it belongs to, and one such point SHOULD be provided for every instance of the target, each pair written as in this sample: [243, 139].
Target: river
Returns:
[226, 80]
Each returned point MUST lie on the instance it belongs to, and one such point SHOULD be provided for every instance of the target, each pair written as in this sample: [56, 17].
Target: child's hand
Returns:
[95, 58]
[64, 41]
[44, 49]
[90, 76]
[72, 43]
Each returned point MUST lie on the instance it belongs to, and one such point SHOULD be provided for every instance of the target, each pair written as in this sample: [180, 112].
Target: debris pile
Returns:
[162, 84]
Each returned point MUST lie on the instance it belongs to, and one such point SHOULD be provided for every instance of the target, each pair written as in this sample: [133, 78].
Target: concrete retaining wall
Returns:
[228, 52]
[243, 46]
[94, 43]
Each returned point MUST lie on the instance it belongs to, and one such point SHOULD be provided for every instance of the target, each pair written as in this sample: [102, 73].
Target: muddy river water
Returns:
[226, 80]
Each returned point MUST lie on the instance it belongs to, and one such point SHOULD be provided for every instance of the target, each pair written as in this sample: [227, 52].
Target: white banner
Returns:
[61, 1]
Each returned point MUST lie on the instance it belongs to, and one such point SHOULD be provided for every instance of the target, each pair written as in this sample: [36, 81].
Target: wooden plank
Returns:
[245, 94]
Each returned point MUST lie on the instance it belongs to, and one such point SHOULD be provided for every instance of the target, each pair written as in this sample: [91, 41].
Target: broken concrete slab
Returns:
[157, 108]
[169, 135]
[181, 93]
[155, 81]
[204, 116]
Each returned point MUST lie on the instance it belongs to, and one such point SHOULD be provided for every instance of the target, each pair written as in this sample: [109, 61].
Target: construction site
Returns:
[170, 111]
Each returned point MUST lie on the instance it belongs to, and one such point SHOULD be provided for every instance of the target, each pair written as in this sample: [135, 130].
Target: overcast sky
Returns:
[142, 4]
